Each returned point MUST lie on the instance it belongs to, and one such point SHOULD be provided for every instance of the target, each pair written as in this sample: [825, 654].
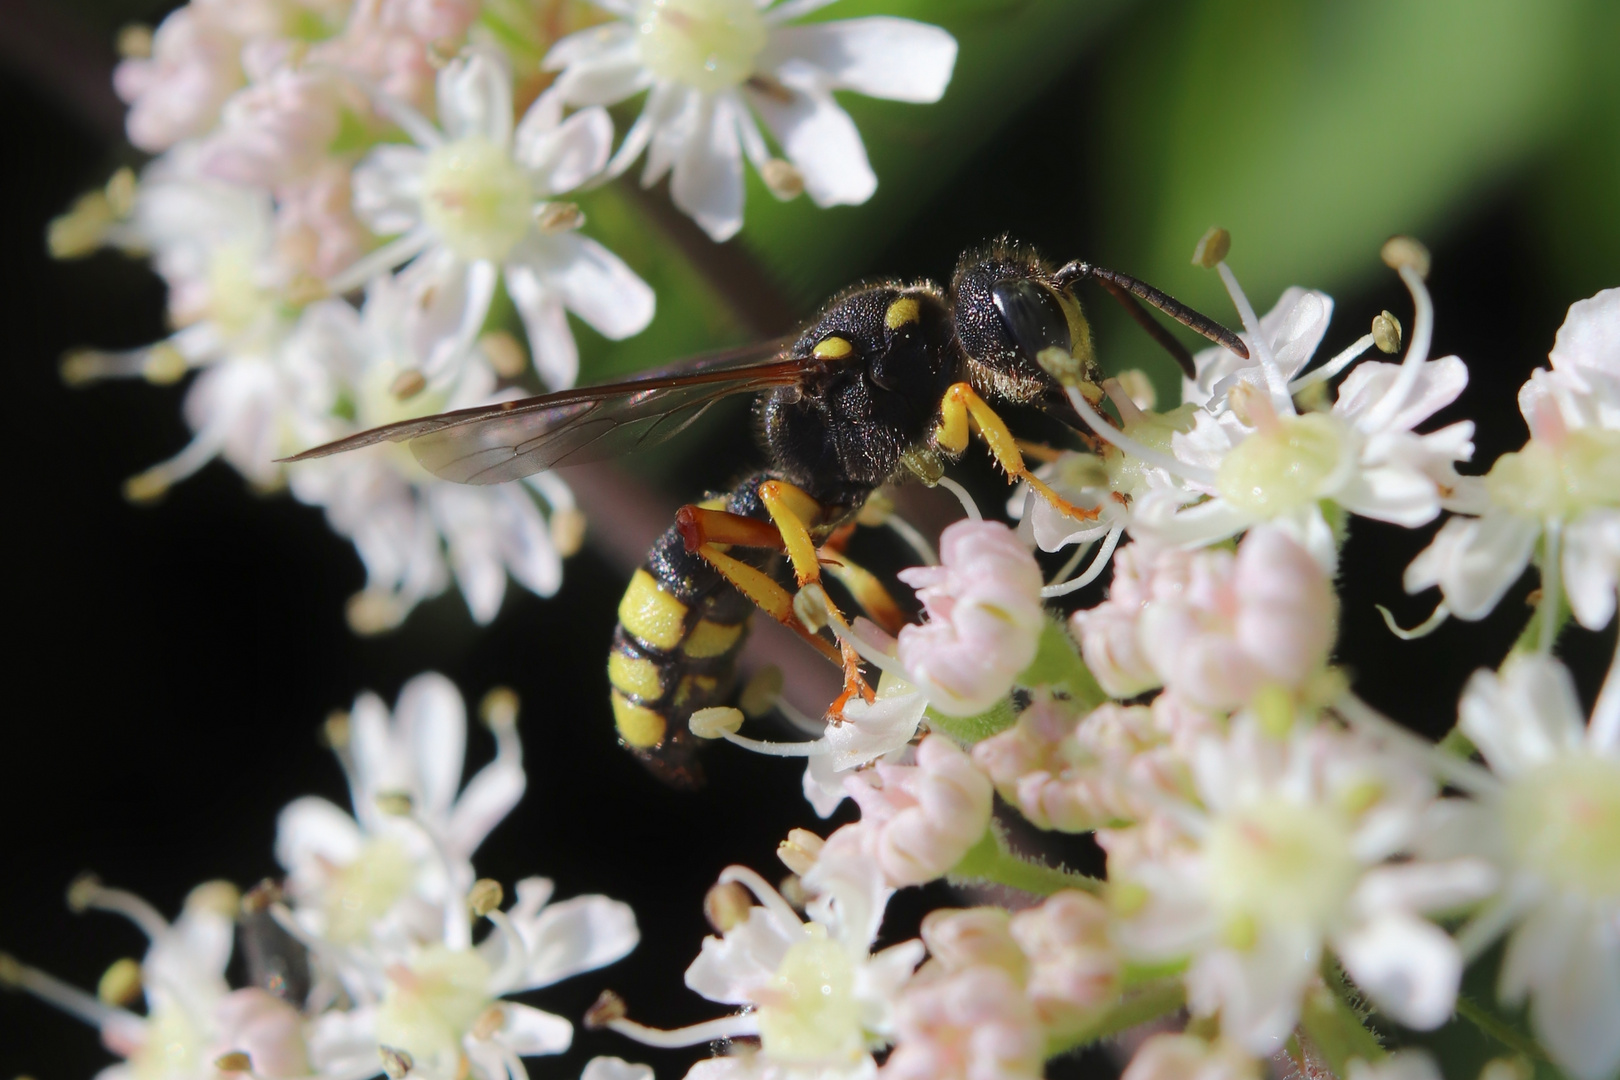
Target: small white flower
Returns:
[471, 203]
[1561, 490]
[711, 67]
[1287, 851]
[1553, 831]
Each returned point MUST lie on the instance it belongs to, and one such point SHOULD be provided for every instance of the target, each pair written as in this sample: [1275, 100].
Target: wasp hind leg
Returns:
[963, 412]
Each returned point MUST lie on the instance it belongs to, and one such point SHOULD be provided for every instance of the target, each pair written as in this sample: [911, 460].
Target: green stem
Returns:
[1136, 1007]
[1337, 1031]
[1500, 1030]
[991, 860]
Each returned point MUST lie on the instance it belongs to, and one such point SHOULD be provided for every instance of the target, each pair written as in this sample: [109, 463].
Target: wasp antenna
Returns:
[1127, 290]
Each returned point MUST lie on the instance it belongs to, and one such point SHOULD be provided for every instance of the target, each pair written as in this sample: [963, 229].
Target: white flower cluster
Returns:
[422, 153]
[366, 952]
[1281, 858]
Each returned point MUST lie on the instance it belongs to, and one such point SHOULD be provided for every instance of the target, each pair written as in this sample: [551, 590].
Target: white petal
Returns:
[1423, 886]
[562, 157]
[467, 518]
[876, 729]
[612, 1068]
[819, 138]
[378, 764]
[387, 189]
[707, 183]
[484, 803]
[879, 56]
[525, 542]
[593, 282]
[1475, 561]
[1438, 384]
[311, 830]
[823, 785]
[475, 98]
[545, 321]
[1573, 1013]
[729, 969]
[592, 43]
[529, 1032]
[609, 74]
[533, 893]
[1408, 966]
[1397, 493]
[576, 935]
[433, 719]
[1526, 715]
[1591, 565]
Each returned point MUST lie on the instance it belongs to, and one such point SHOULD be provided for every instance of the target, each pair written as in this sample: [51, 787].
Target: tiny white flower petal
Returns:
[1475, 561]
[1525, 715]
[1424, 886]
[1588, 345]
[879, 56]
[530, 1032]
[870, 731]
[729, 969]
[1409, 966]
[579, 934]
[613, 1068]
[1396, 493]
[823, 785]
[467, 520]
[484, 803]
[1438, 384]
[525, 542]
[707, 183]
[387, 189]
[1573, 1014]
[431, 715]
[819, 137]
[1591, 565]
[377, 764]
[562, 157]
[311, 830]
[545, 321]
[475, 98]
[599, 288]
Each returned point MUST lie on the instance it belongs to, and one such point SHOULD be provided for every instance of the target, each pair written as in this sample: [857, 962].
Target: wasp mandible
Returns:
[886, 379]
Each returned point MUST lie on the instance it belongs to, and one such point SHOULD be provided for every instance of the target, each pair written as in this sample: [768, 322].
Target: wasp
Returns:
[887, 379]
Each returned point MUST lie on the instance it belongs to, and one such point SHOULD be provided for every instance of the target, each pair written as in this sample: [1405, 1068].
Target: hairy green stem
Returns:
[1337, 1031]
[993, 861]
[1495, 1027]
[1136, 1007]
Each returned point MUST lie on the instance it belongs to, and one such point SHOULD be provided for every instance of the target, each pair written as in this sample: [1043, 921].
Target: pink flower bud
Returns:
[925, 816]
[177, 92]
[984, 618]
[278, 129]
[316, 230]
[1107, 633]
[267, 1029]
[974, 1024]
[1075, 967]
[1187, 1057]
[958, 938]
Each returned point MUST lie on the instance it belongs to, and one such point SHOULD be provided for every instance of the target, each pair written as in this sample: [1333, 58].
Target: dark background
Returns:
[172, 663]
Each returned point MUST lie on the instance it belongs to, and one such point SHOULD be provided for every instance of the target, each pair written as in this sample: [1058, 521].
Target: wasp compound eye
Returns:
[1032, 315]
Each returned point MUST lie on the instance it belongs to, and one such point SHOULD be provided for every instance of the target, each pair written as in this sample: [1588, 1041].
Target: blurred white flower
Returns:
[711, 67]
[472, 202]
[1553, 831]
[1288, 850]
[1562, 490]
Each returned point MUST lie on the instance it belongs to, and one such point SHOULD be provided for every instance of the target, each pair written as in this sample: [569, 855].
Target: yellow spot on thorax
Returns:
[832, 348]
[901, 312]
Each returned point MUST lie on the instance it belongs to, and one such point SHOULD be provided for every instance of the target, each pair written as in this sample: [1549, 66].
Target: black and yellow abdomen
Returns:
[681, 626]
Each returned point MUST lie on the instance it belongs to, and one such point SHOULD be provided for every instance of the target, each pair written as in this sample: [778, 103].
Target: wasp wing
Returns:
[494, 443]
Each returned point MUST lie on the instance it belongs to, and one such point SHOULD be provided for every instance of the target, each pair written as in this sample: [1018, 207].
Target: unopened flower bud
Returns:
[784, 180]
[485, 896]
[567, 526]
[558, 217]
[394, 803]
[1212, 248]
[407, 384]
[396, 1063]
[961, 937]
[760, 695]
[810, 606]
[1386, 332]
[800, 850]
[715, 722]
[120, 984]
[726, 905]
[505, 353]
[234, 1062]
[1400, 252]
[499, 709]
[608, 1008]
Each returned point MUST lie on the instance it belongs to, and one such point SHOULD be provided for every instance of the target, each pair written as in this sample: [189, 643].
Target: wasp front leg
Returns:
[963, 412]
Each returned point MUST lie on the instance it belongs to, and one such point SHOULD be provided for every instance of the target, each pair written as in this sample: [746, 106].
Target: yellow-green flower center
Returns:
[237, 303]
[173, 1048]
[363, 891]
[1293, 462]
[1559, 480]
[1563, 821]
[809, 1013]
[1279, 862]
[709, 45]
[433, 1002]
[476, 198]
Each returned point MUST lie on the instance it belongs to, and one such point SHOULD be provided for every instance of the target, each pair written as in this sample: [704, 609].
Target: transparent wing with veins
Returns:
[490, 444]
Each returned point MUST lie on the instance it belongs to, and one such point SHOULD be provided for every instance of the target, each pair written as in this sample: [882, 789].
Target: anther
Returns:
[11, 972]
[394, 803]
[396, 1063]
[135, 41]
[811, 607]
[1059, 364]
[218, 897]
[800, 850]
[505, 353]
[236, 1061]
[760, 695]
[336, 731]
[610, 1007]
[783, 178]
[120, 984]
[1386, 332]
[163, 365]
[567, 527]
[261, 898]
[558, 217]
[484, 897]
[499, 709]
[120, 191]
[146, 487]
[713, 723]
[727, 905]
[1212, 248]
[1400, 252]
[83, 892]
[492, 1020]
[407, 384]
[793, 891]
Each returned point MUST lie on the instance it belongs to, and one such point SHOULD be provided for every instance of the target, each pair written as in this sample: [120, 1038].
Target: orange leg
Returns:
[963, 412]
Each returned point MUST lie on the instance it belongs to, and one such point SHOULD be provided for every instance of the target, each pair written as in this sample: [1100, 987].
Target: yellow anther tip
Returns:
[499, 709]
[1212, 248]
[485, 896]
[1402, 252]
[714, 722]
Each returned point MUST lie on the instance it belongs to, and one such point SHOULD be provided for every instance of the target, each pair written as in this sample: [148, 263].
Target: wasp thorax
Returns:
[707, 44]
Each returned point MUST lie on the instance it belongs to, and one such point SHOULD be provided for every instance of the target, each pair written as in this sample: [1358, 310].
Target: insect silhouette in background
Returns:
[887, 379]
